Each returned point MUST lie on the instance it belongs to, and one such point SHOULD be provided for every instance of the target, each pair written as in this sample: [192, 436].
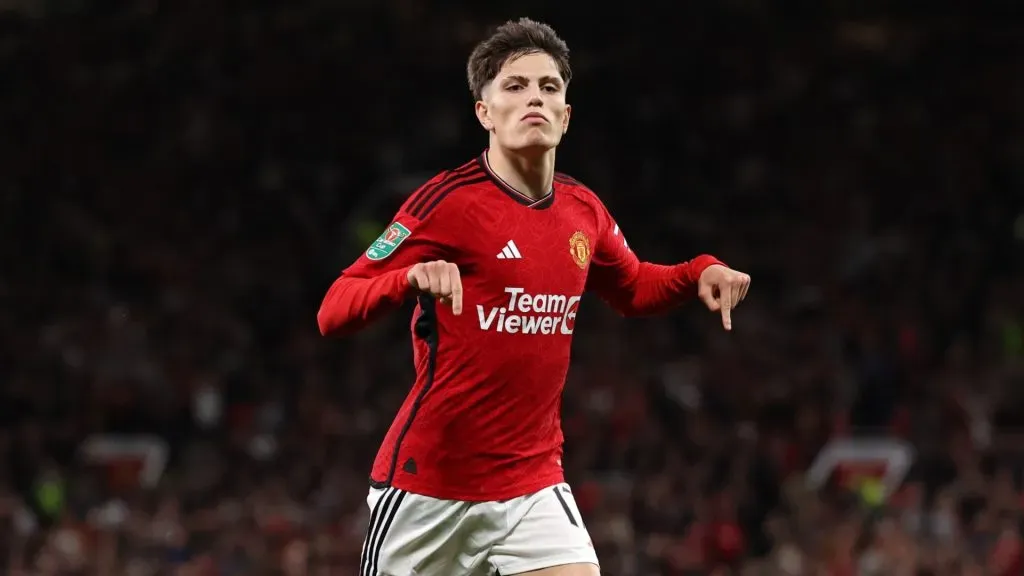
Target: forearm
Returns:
[656, 288]
[353, 303]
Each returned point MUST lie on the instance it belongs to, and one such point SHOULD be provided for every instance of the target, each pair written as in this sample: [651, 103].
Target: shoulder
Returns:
[444, 190]
[578, 191]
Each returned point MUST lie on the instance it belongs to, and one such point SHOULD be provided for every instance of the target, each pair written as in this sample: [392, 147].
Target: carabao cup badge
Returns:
[389, 241]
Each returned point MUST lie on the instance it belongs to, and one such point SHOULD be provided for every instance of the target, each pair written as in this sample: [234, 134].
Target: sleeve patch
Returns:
[389, 241]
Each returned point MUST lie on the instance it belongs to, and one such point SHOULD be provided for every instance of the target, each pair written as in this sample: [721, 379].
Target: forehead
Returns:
[532, 65]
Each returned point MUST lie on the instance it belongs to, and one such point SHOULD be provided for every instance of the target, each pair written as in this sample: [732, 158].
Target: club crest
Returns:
[579, 249]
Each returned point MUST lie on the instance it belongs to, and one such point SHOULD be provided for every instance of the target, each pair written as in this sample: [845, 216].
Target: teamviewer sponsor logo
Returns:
[526, 313]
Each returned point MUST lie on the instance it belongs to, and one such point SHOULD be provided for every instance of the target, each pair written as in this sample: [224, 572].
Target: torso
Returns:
[485, 409]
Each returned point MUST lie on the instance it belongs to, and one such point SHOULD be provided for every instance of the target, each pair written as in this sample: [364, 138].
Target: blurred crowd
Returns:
[181, 181]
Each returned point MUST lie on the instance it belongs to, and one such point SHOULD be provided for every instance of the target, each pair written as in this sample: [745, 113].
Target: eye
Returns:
[514, 87]
[550, 88]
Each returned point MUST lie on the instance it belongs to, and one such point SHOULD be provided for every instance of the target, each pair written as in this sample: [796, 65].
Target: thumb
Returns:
[706, 293]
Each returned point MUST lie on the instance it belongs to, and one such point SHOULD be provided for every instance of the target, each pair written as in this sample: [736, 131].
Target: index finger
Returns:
[456, 284]
[727, 303]
[727, 315]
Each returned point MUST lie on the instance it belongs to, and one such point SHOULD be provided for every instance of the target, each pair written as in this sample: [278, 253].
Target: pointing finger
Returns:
[456, 287]
[727, 303]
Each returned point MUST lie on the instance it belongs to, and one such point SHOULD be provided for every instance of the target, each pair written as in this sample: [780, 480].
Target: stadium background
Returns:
[180, 182]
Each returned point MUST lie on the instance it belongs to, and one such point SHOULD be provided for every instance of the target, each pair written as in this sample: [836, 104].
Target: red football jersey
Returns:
[482, 421]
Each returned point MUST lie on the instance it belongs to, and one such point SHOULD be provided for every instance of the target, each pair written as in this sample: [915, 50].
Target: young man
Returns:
[498, 253]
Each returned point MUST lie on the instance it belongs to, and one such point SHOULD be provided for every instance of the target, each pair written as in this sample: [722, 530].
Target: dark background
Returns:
[181, 181]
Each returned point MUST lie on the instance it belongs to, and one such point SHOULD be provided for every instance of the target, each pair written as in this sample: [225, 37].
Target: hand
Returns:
[439, 279]
[722, 289]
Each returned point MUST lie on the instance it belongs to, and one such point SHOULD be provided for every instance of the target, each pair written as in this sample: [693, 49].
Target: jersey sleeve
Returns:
[376, 282]
[403, 243]
[633, 287]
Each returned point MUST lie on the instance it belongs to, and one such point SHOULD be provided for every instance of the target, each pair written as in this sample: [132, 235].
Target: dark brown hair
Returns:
[511, 40]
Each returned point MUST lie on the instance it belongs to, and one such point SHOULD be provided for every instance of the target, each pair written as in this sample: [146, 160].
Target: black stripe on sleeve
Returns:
[414, 206]
[468, 180]
[432, 184]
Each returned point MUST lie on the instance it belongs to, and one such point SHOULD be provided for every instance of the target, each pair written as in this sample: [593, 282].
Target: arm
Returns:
[377, 282]
[635, 288]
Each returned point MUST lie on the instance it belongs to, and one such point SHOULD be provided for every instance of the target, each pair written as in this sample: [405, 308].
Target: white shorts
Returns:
[414, 535]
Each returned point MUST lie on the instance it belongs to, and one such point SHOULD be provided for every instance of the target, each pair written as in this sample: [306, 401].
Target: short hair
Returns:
[511, 40]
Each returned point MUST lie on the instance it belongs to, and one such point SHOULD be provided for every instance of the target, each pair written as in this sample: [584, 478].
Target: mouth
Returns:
[535, 118]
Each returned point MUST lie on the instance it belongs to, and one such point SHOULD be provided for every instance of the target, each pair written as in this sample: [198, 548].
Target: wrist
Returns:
[701, 263]
[405, 284]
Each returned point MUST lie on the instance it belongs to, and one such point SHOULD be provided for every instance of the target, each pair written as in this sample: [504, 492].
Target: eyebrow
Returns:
[542, 80]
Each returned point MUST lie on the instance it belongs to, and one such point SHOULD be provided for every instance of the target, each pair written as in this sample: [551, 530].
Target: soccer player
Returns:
[498, 253]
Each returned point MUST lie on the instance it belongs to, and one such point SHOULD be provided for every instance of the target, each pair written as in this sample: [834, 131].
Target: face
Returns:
[524, 106]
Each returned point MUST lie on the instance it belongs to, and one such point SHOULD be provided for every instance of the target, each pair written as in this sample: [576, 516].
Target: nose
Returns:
[535, 91]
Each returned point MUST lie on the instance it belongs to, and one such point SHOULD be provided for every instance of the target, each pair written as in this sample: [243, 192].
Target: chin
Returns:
[535, 144]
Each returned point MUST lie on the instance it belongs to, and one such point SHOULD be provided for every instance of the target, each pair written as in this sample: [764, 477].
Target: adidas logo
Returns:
[509, 252]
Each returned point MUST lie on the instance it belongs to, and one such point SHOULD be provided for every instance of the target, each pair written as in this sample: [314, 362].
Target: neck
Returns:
[531, 175]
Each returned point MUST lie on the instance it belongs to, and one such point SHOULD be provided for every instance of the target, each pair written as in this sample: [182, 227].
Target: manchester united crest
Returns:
[579, 249]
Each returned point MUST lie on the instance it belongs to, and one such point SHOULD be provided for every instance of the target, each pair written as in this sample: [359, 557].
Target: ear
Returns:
[483, 115]
[565, 118]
